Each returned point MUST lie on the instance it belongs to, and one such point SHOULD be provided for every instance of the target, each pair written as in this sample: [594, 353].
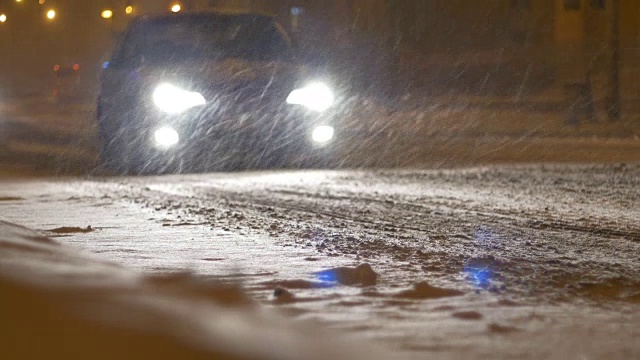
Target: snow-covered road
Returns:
[493, 262]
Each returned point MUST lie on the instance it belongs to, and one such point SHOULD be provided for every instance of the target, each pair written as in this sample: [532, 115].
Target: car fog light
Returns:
[166, 137]
[322, 134]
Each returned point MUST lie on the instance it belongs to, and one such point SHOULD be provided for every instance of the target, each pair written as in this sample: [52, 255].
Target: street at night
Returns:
[364, 179]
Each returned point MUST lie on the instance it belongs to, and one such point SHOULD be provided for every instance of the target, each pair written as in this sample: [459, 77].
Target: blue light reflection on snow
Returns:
[479, 272]
[329, 276]
[479, 276]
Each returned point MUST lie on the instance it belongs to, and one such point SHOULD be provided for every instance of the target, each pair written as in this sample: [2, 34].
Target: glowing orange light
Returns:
[176, 8]
[41, 2]
[56, 67]
[129, 9]
[76, 67]
[3, 18]
[107, 14]
[51, 14]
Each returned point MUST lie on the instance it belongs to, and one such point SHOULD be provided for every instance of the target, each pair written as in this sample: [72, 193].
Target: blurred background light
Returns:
[107, 14]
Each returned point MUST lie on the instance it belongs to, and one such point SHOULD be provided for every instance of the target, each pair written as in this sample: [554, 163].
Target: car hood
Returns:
[230, 76]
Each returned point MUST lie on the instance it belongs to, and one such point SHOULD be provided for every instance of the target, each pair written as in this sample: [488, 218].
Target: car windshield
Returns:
[185, 38]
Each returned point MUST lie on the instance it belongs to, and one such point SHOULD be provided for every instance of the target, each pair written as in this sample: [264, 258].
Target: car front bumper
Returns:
[210, 137]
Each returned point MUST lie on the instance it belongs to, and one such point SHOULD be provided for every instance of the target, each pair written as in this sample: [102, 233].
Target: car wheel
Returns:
[119, 150]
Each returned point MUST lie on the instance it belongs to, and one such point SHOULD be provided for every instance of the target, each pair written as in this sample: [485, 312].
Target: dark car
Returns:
[66, 82]
[211, 91]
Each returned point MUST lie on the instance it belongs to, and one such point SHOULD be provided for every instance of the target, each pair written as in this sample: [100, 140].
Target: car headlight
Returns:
[174, 100]
[315, 96]
[166, 137]
[322, 134]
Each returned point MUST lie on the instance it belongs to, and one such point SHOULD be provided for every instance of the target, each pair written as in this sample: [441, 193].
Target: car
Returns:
[212, 91]
[66, 81]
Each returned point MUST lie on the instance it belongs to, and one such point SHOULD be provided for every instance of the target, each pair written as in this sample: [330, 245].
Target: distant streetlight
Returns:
[51, 14]
[3, 18]
[176, 8]
[41, 1]
[107, 14]
[128, 9]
